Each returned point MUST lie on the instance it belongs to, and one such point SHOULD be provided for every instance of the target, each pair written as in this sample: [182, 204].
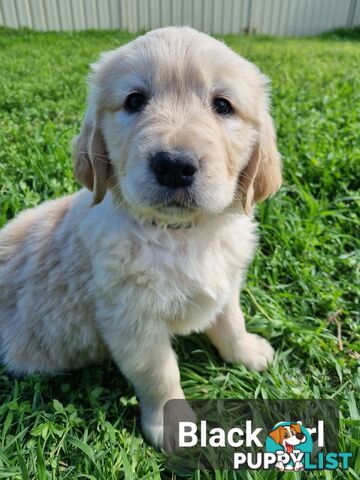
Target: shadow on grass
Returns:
[342, 34]
[94, 390]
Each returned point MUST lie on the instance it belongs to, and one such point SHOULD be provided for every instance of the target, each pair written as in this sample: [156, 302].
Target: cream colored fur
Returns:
[104, 273]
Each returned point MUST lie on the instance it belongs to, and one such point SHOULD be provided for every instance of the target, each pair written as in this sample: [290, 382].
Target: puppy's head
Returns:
[288, 436]
[178, 126]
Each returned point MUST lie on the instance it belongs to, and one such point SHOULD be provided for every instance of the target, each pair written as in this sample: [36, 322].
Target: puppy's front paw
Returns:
[252, 350]
[152, 425]
[152, 422]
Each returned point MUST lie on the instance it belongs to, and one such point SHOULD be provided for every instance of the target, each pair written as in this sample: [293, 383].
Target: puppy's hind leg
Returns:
[234, 343]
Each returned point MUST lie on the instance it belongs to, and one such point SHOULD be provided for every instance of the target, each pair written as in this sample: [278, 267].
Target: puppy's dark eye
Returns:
[135, 102]
[222, 106]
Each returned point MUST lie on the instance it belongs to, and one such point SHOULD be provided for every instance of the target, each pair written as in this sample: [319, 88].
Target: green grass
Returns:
[304, 277]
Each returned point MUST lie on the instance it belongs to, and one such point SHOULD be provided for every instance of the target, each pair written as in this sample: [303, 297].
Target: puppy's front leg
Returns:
[150, 364]
[234, 343]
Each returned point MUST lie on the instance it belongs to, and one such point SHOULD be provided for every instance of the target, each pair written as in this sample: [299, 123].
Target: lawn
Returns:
[302, 291]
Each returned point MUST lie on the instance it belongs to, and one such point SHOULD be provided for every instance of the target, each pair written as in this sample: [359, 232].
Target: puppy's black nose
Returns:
[174, 169]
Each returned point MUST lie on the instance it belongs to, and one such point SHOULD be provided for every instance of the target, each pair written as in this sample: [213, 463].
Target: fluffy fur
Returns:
[118, 268]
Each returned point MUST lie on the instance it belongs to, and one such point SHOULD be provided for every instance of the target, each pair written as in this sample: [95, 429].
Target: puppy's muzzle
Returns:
[174, 168]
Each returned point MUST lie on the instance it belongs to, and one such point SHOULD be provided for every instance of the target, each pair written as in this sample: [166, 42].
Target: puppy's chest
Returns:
[184, 283]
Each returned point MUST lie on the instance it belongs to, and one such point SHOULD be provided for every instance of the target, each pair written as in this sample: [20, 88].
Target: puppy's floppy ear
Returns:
[92, 166]
[276, 434]
[296, 427]
[261, 178]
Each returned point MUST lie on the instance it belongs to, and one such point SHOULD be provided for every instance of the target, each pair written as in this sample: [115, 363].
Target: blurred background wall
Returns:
[272, 17]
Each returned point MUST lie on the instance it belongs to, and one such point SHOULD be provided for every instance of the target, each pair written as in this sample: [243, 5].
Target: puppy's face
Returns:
[178, 126]
[288, 436]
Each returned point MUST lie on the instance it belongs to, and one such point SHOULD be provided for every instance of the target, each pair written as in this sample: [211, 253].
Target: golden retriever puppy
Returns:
[176, 146]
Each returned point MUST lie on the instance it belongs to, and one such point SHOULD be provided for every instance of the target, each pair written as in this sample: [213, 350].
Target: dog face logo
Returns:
[289, 441]
[288, 437]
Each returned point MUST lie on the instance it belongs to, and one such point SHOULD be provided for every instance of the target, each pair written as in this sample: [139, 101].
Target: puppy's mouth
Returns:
[289, 448]
[179, 200]
[174, 209]
[175, 205]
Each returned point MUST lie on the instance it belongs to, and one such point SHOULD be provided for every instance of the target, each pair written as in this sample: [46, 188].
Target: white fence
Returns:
[273, 17]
